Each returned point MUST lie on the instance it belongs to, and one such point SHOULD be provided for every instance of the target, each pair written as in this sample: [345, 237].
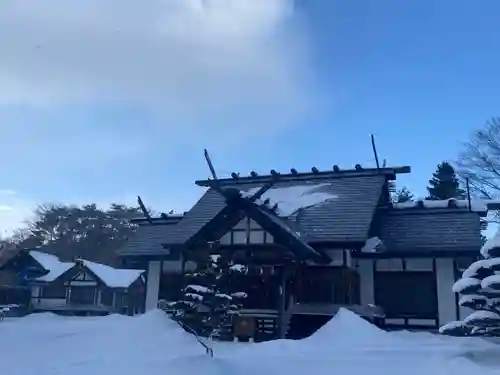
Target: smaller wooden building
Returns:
[77, 288]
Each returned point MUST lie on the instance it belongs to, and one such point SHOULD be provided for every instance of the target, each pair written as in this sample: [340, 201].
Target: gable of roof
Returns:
[345, 217]
[284, 232]
[110, 276]
[52, 264]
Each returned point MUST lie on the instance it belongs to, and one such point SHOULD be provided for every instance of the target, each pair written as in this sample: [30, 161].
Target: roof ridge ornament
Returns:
[232, 193]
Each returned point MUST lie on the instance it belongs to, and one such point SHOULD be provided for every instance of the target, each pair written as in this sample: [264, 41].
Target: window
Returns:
[315, 285]
[239, 237]
[257, 236]
[107, 297]
[226, 239]
[83, 295]
[406, 294]
[54, 291]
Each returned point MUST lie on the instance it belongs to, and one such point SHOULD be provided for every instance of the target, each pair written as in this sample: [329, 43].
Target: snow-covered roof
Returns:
[113, 277]
[492, 243]
[476, 205]
[50, 263]
[290, 199]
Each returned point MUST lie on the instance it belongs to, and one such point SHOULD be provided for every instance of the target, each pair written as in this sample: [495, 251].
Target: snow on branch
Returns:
[466, 284]
[198, 288]
[451, 326]
[472, 300]
[209, 302]
[492, 245]
[483, 264]
[480, 290]
[492, 282]
[482, 317]
[238, 268]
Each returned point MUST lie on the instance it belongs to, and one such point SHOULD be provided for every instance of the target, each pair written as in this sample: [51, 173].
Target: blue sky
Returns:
[98, 107]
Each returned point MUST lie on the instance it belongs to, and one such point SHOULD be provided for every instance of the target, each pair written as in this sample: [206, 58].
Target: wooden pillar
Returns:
[283, 310]
[153, 284]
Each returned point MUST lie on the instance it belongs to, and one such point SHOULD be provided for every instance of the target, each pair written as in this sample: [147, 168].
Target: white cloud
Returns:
[203, 66]
[204, 72]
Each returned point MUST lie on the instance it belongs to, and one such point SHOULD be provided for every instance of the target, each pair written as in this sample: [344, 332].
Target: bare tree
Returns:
[480, 161]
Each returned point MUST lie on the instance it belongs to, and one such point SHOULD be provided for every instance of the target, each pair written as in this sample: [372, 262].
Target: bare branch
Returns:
[480, 161]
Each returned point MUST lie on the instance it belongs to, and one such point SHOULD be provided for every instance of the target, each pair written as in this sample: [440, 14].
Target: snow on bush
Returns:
[479, 288]
[208, 302]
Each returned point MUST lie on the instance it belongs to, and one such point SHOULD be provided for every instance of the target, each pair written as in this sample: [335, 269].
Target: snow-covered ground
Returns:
[46, 344]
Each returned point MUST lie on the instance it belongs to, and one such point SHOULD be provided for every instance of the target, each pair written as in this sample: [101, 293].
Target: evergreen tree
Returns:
[479, 288]
[208, 302]
[444, 184]
[403, 195]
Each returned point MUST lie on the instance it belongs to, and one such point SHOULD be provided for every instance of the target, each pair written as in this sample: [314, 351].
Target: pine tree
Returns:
[403, 195]
[444, 184]
[208, 303]
[479, 288]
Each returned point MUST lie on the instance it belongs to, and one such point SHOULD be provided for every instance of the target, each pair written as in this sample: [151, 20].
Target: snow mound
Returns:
[153, 344]
[348, 327]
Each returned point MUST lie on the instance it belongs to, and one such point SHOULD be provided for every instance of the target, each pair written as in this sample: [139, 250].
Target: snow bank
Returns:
[113, 277]
[154, 345]
[291, 199]
[52, 264]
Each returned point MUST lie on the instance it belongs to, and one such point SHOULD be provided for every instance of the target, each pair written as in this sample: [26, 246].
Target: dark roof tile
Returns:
[345, 218]
[449, 230]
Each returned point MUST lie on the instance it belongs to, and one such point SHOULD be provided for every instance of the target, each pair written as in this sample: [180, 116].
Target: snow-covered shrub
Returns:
[479, 288]
[209, 302]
